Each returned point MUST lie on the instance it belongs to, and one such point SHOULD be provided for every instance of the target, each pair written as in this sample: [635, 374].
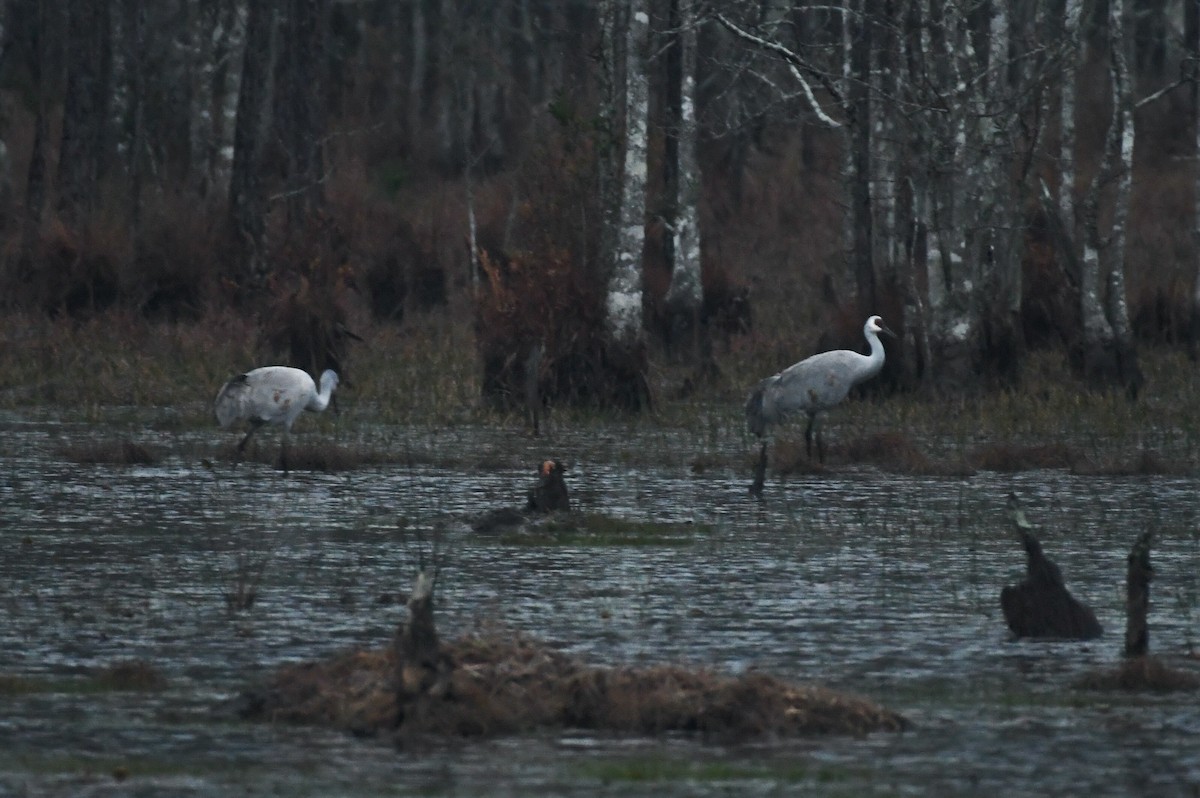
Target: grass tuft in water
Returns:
[1145, 673]
[596, 529]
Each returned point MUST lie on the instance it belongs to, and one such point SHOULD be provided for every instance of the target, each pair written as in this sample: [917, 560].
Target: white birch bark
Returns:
[686, 288]
[952, 278]
[625, 284]
[1001, 211]
[1123, 135]
[1098, 334]
[1066, 148]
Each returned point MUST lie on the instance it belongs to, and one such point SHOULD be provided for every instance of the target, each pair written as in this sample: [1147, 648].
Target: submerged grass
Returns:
[597, 529]
[118, 677]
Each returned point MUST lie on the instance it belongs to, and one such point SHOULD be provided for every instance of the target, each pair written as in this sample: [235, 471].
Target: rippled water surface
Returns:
[870, 582]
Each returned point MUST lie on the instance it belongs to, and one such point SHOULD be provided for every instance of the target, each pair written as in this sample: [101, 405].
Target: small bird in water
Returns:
[271, 395]
[550, 493]
[812, 386]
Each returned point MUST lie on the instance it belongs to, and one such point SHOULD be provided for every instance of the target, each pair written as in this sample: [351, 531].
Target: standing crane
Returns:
[813, 385]
[272, 395]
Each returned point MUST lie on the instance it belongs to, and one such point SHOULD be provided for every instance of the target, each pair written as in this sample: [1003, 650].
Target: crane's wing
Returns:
[757, 413]
[233, 401]
[817, 383]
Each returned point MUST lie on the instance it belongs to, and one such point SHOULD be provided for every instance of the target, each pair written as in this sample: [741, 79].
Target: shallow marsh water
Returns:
[875, 583]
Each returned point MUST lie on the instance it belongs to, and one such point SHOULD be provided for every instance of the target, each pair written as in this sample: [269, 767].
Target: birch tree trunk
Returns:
[1129, 372]
[624, 303]
[1000, 212]
[685, 293]
[1066, 148]
[952, 279]
[1108, 358]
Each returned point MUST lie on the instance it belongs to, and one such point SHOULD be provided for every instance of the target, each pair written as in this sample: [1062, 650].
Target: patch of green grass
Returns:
[651, 769]
[596, 529]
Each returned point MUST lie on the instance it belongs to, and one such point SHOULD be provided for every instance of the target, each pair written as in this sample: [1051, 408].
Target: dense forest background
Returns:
[587, 182]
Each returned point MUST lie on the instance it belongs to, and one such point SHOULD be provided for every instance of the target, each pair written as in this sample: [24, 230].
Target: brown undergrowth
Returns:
[511, 684]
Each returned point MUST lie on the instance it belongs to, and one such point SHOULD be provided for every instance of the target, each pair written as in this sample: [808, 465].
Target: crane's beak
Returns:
[883, 328]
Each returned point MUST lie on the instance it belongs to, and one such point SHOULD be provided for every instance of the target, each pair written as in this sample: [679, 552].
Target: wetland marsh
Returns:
[880, 584]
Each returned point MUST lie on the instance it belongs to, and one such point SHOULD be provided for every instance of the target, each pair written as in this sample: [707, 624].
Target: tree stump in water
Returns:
[422, 670]
[1041, 606]
[1137, 597]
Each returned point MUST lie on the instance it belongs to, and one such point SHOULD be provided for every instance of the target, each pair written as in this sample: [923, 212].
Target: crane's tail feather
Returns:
[755, 417]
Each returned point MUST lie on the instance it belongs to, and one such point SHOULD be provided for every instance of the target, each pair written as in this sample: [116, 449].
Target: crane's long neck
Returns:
[321, 400]
[875, 359]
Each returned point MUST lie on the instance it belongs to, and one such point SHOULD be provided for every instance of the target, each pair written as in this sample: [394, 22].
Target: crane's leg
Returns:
[283, 450]
[760, 472]
[241, 447]
[813, 430]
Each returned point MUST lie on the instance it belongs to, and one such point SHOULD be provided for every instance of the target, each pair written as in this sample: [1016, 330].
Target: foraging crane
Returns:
[813, 385]
[272, 395]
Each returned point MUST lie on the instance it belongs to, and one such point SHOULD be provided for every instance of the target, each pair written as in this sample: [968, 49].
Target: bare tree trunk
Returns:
[1066, 149]
[1109, 357]
[625, 283]
[35, 180]
[84, 107]
[303, 126]
[222, 93]
[422, 672]
[135, 43]
[1192, 36]
[953, 277]
[1137, 597]
[859, 29]
[418, 70]
[1000, 211]
[685, 293]
[247, 205]
[1117, 306]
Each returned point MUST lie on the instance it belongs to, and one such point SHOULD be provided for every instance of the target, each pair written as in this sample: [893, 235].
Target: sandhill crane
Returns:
[271, 395]
[813, 385]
